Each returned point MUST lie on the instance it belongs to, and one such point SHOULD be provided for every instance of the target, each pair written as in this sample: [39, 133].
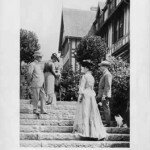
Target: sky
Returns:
[43, 17]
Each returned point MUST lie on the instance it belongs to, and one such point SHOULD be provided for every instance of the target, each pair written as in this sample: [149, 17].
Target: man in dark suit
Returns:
[104, 91]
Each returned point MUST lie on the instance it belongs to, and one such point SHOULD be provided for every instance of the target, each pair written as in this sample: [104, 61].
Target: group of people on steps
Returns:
[88, 122]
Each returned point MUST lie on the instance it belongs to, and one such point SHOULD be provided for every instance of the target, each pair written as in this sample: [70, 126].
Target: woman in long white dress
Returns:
[88, 122]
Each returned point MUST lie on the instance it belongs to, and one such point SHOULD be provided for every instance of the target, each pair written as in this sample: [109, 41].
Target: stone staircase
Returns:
[55, 129]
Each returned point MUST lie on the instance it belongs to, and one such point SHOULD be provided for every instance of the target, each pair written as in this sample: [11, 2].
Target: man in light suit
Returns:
[37, 80]
[104, 91]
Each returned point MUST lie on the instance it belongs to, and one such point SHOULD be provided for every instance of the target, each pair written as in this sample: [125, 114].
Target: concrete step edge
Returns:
[56, 133]
[51, 129]
[51, 122]
[68, 136]
[59, 102]
[73, 144]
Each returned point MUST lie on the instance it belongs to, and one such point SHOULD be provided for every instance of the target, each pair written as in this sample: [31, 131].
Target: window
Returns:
[73, 64]
[101, 19]
[121, 22]
[106, 38]
[118, 25]
[111, 6]
[73, 45]
[77, 43]
[105, 14]
[116, 30]
[110, 35]
[96, 26]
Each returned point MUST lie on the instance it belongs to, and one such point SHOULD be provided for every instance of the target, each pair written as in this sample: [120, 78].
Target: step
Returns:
[47, 116]
[73, 144]
[67, 122]
[46, 122]
[29, 110]
[68, 103]
[52, 116]
[58, 107]
[67, 136]
[28, 113]
[67, 129]
[36, 128]
[51, 107]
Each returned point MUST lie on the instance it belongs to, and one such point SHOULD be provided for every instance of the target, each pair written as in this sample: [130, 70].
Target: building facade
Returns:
[67, 52]
[74, 25]
[113, 24]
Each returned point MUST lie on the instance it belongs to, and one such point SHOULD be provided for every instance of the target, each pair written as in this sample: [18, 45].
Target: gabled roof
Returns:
[77, 23]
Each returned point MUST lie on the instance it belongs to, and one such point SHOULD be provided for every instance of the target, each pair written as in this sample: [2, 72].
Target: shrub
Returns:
[25, 86]
[28, 45]
[120, 87]
[69, 84]
[94, 48]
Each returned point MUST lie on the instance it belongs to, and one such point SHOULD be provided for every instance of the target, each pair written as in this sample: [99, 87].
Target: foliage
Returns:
[121, 77]
[25, 88]
[69, 84]
[120, 86]
[93, 48]
[28, 45]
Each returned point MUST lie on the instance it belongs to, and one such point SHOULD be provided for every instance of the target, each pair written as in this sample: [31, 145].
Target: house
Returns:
[74, 25]
[113, 24]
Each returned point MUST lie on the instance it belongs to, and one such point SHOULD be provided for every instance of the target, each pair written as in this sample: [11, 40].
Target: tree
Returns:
[28, 45]
[120, 87]
[93, 48]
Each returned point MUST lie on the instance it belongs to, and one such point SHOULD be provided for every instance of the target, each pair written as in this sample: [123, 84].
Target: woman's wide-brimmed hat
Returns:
[105, 63]
[87, 61]
[37, 54]
[54, 55]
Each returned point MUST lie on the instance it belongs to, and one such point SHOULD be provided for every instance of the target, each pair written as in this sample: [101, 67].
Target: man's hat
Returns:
[37, 53]
[54, 55]
[104, 63]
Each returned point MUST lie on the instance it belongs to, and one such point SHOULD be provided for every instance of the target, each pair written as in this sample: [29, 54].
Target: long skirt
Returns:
[88, 122]
[50, 88]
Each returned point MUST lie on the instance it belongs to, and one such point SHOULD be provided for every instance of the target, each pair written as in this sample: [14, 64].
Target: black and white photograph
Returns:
[75, 75]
